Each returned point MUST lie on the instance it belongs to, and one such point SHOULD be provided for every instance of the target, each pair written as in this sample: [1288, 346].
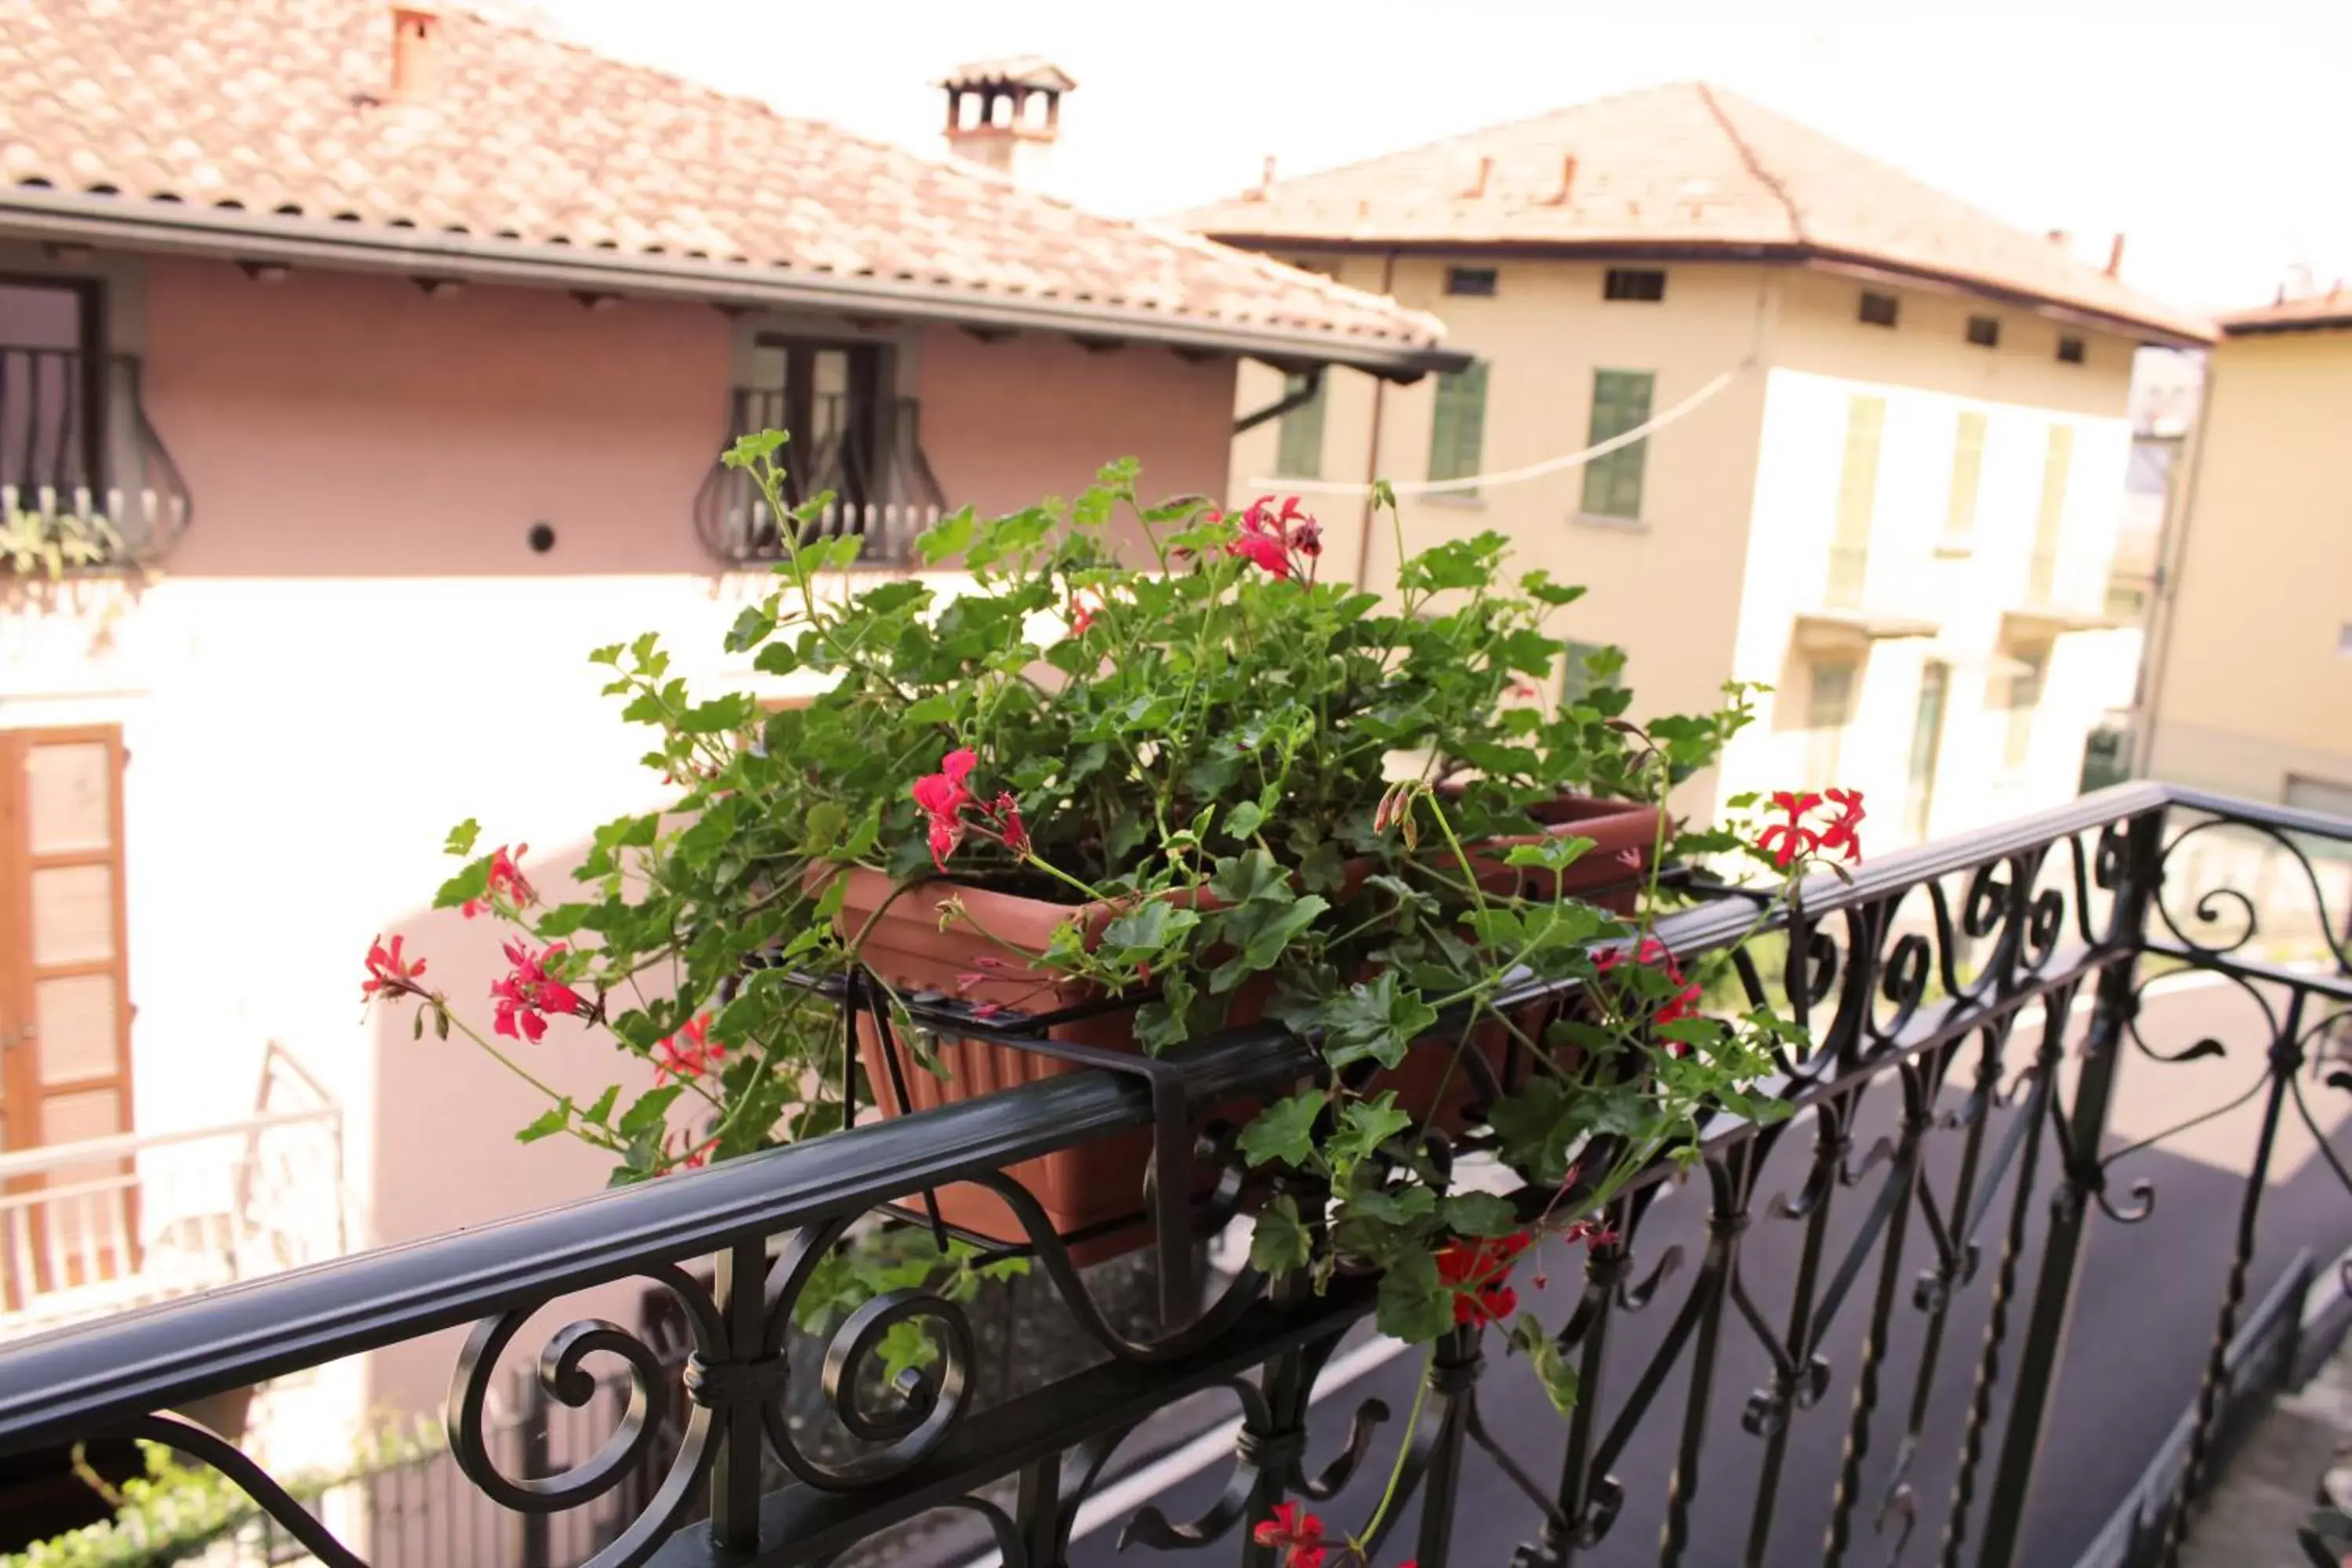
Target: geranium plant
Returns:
[1240, 791]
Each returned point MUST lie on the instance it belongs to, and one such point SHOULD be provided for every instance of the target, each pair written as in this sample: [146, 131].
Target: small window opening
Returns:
[1643, 283]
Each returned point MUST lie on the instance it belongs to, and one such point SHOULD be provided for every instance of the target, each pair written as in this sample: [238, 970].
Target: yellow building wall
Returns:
[2255, 684]
[1740, 501]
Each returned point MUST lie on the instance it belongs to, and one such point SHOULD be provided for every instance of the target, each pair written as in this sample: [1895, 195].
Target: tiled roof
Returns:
[2333, 308]
[279, 115]
[1685, 167]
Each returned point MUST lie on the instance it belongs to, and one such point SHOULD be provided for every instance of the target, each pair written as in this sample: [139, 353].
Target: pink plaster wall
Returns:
[343, 424]
[1006, 423]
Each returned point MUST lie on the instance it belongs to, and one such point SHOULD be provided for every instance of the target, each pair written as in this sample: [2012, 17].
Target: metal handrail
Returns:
[53, 1383]
[2050, 941]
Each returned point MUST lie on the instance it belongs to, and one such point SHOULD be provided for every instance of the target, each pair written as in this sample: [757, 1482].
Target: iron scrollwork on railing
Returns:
[1802, 1288]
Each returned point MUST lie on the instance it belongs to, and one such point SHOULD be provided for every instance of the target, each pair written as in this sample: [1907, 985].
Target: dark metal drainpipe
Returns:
[1372, 443]
[1284, 404]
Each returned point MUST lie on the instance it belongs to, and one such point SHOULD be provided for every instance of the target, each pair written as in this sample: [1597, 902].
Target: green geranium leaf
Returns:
[1481, 1214]
[1279, 1241]
[547, 1124]
[647, 1115]
[1148, 927]
[1372, 1019]
[1414, 1304]
[461, 838]
[1284, 1130]
[1364, 1126]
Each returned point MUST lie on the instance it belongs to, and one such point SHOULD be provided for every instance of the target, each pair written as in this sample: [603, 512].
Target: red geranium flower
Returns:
[695, 1056]
[941, 796]
[1082, 615]
[507, 883]
[1265, 550]
[387, 973]
[529, 991]
[1477, 1270]
[1006, 813]
[1839, 836]
[1793, 837]
[1298, 1532]
[1653, 955]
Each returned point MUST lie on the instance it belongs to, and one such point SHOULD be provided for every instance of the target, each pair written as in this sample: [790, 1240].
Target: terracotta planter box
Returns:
[1099, 1182]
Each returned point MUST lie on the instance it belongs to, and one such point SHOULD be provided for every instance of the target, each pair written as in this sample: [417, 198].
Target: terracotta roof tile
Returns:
[286, 107]
[1682, 166]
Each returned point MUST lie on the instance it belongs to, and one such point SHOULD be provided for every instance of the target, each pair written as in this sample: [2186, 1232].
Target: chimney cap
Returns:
[1034, 72]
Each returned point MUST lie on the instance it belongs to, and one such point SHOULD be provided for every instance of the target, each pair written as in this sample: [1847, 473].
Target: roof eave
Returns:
[240, 235]
[2156, 330]
[2261, 328]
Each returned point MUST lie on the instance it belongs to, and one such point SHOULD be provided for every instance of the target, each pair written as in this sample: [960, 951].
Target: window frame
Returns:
[1605, 476]
[1302, 425]
[1983, 331]
[1468, 431]
[90, 350]
[1894, 313]
[870, 398]
[1633, 286]
[1473, 282]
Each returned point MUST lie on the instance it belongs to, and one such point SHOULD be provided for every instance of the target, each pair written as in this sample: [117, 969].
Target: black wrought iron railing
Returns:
[84, 479]
[1933, 1316]
[866, 453]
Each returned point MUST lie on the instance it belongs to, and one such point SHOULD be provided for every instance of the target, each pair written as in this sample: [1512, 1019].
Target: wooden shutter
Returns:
[1857, 501]
[1613, 481]
[65, 1018]
[2057, 463]
[1968, 470]
[64, 1010]
[1298, 447]
[1458, 428]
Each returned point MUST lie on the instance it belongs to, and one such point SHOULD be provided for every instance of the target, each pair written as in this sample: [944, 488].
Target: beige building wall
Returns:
[2253, 691]
[1741, 501]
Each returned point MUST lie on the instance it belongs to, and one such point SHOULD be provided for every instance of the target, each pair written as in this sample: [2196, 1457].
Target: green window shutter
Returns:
[1299, 452]
[1458, 428]
[2057, 461]
[1613, 481]
[1577, 678]
[2024, 701]
[1967, 469]
[1857, 502]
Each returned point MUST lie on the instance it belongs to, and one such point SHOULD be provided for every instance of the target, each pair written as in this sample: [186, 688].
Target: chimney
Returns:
[415, 52]
[1265, 181]
[2115, 257]
[1566, 192]
[1007, 113]
[2060, 238]
[1477, 186]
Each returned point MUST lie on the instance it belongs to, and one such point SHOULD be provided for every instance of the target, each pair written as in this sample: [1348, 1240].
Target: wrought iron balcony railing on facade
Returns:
[866, 453]
[1918, 1228]
[76, 452]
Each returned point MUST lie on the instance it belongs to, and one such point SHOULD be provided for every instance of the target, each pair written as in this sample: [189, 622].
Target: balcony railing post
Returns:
[742, 1277]
[2062, 1256]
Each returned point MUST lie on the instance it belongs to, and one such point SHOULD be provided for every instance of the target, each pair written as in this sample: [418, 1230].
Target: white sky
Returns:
[2214, 135]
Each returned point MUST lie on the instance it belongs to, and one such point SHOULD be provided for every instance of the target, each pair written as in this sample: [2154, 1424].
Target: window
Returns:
[1857, 502]
[1613, 481]
[2344, 640]
[1927, 743]
[1829, 708]
[1647, 284]
[1984, 332]
[2057, 461]
[1879, 309]
[63, 1000]
[1477, 282]
[2070, 349]
[52, 395]
[1967, 469]
[2024, 698]
[830, 397]
[1299, 449]
[1458, 428]
[1578, 678]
